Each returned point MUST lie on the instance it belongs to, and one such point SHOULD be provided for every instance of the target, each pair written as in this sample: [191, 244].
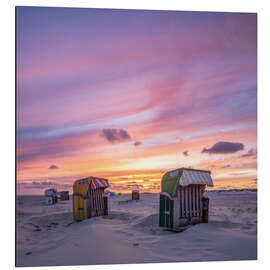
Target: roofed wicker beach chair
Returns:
[181, 199]
[88, 198]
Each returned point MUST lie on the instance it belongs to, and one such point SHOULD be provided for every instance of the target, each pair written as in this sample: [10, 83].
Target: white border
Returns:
[8, 115]
[191, 5]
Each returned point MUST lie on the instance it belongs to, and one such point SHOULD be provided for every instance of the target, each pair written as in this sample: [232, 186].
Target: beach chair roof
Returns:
[82, 186]
[184, 177]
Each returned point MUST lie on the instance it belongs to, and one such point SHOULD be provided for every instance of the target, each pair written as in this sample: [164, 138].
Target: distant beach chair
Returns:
[135, 195]
[88, 198]
[50, 196]
[181, 198]
[64, 195]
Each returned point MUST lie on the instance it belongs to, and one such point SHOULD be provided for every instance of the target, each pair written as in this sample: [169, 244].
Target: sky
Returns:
[130, 94]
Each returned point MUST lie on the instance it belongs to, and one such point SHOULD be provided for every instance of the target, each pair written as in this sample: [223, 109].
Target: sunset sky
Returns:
[128, 95]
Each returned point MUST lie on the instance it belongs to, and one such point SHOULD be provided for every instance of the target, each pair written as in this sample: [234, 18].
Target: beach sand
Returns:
[47, 235]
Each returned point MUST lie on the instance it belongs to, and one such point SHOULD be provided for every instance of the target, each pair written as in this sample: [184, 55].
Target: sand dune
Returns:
[47, 235]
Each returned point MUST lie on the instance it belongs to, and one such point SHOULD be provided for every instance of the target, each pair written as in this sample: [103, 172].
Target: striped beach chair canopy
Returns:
[98, 183]
[82, 186]
[189, 177]
[184, 177]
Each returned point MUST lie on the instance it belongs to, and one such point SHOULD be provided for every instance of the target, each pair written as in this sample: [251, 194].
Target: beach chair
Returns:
[182, 200]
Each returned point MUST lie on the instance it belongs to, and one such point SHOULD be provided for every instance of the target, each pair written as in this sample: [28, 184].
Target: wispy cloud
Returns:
[250, 153]
[225, 166]
[43, 185]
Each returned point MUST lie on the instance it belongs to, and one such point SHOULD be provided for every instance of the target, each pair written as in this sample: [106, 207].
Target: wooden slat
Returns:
[99, 208]
[102, 192]
[179, 199]
[169, 211]
[102, 202]
[186, 202]
[94, 203]
[190, 201]
[99, 202]
[200, 201]
[201, 195]
[188, 207]
[91, 202]
[198, 196]
[182, 203]
[98, 197]
[165, 209]
[197, 200]
[193, 200]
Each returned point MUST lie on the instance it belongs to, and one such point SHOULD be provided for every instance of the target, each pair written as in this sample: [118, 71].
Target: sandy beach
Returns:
[47, 235]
